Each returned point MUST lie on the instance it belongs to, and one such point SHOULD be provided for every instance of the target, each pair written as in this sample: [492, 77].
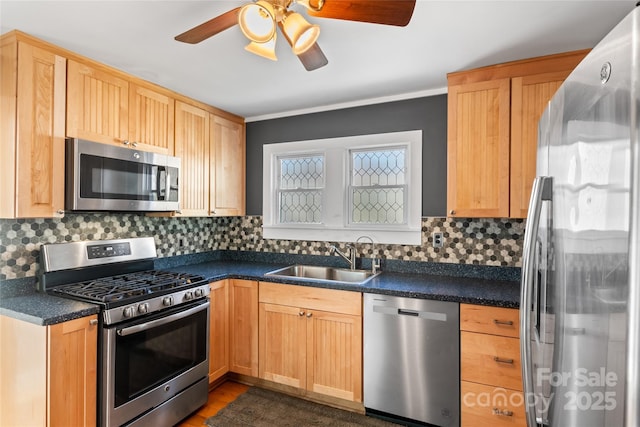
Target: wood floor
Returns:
[218, 399]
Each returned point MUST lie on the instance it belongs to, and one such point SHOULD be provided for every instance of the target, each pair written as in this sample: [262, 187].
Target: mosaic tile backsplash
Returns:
[496, 242]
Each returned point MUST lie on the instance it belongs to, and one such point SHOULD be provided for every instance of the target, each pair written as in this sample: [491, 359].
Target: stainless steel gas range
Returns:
[153, 341]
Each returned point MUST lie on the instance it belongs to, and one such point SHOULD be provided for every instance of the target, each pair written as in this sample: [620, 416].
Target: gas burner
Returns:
[128, 286]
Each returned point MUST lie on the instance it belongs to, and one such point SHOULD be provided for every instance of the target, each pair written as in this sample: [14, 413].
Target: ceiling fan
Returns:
[260, 19]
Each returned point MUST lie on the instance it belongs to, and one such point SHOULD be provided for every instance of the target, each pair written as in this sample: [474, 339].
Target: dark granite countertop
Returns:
[501, 293]
[20, 299]
[493, 286]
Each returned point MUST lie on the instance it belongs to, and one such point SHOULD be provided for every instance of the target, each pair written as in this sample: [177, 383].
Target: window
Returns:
[342, 188]
[300, 186]
[377, 188]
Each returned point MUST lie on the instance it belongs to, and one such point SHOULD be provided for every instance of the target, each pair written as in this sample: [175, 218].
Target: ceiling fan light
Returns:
[315, 5]
[257, 21]
[301, 33]
[266, 49]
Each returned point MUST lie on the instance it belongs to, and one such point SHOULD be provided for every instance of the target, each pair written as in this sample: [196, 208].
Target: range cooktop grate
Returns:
[122, 287]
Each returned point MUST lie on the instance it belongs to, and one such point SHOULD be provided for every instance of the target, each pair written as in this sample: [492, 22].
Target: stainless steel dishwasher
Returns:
[412, 359]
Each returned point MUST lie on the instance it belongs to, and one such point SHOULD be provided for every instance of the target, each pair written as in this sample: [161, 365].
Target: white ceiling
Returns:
[367, 62]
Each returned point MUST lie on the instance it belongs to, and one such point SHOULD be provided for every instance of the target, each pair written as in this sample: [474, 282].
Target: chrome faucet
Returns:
[375, 262]
[351, 259]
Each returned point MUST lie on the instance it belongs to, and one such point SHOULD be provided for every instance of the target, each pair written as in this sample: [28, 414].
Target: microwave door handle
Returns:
[159, 183]
[167, 181]
[159, 322]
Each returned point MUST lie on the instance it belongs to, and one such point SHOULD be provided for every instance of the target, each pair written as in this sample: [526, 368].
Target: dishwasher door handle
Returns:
[395, 311]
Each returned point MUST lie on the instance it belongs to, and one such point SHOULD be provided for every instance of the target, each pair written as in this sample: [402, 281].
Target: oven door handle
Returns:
[159, 322]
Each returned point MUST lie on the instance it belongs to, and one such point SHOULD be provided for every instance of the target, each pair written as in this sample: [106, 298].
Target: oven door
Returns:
[147, 362]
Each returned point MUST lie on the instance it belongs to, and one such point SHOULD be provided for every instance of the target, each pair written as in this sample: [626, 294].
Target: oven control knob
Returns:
[167, 301]
[143, 308]
[188, 295]
[129, 311]
[199, 292]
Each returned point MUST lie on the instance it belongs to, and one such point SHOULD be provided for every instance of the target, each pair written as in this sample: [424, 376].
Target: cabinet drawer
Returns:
[491, 360]
[482, 405]
[490, 320]
[336, 301]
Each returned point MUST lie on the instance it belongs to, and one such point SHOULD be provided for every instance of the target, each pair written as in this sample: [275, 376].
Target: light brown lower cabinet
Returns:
[489, 406]
[233, 328]
[48, 373]
[243, 327]
[311, 339]
[218, 329]
[490, 370]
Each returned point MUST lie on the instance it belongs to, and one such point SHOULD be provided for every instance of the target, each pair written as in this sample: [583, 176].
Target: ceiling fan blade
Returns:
[210, 28]
[313, 58]
[388, 12]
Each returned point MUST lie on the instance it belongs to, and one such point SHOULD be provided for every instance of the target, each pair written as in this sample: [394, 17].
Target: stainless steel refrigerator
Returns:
[580, 303]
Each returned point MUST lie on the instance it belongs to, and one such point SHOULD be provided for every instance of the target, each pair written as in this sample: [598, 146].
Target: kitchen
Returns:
[197, 237]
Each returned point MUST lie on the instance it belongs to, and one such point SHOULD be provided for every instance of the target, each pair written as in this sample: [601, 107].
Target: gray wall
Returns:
[428, 114]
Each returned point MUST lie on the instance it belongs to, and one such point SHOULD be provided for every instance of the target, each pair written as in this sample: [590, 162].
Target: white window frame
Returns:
[335, 225]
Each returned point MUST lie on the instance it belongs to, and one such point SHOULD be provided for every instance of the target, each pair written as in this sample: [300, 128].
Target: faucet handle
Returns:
[375, 264]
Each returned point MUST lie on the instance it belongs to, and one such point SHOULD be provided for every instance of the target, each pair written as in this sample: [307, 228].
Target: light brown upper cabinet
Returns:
[32, 106]
[151, 119]
[493, 115]
[192, 146]
[97, 104]
[227, 167]
[212, 151]
[529, 98]
[105, 107]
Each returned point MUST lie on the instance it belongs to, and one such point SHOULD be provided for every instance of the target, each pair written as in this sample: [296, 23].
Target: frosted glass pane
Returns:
[301, 172]
[378, 205]
[303, 206]
[380, 167]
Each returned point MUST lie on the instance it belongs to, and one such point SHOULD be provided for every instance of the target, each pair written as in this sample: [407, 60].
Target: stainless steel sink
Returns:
[318, 273]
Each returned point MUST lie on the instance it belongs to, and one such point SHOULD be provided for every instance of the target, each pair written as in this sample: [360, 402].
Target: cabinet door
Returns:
[490, 359]
[243, 307]
[478, 149]
[40, 144]
[97, 104]
[73, 348]
[23, 373]
[489, 406]
[151, 120]
[529, 98]
[192, 146]
[227, 167]
[219, 330]
[334, 354]
[283, 336]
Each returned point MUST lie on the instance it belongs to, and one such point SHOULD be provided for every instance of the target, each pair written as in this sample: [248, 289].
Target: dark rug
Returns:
[263, 408]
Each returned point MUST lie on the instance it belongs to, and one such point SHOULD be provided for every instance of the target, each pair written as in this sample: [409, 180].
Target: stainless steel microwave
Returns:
[102, 177]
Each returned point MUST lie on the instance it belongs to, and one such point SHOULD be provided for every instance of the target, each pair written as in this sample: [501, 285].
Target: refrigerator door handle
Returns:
[540, 192]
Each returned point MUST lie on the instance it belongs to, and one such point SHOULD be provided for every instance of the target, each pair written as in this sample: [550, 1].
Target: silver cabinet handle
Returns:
[452, 212]
[501, 360]
[503, 322]
[502, 412]
[309, 314]
[301, 314]
[93, 322]
[126, 142]
[135, 144]
[540, 192]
